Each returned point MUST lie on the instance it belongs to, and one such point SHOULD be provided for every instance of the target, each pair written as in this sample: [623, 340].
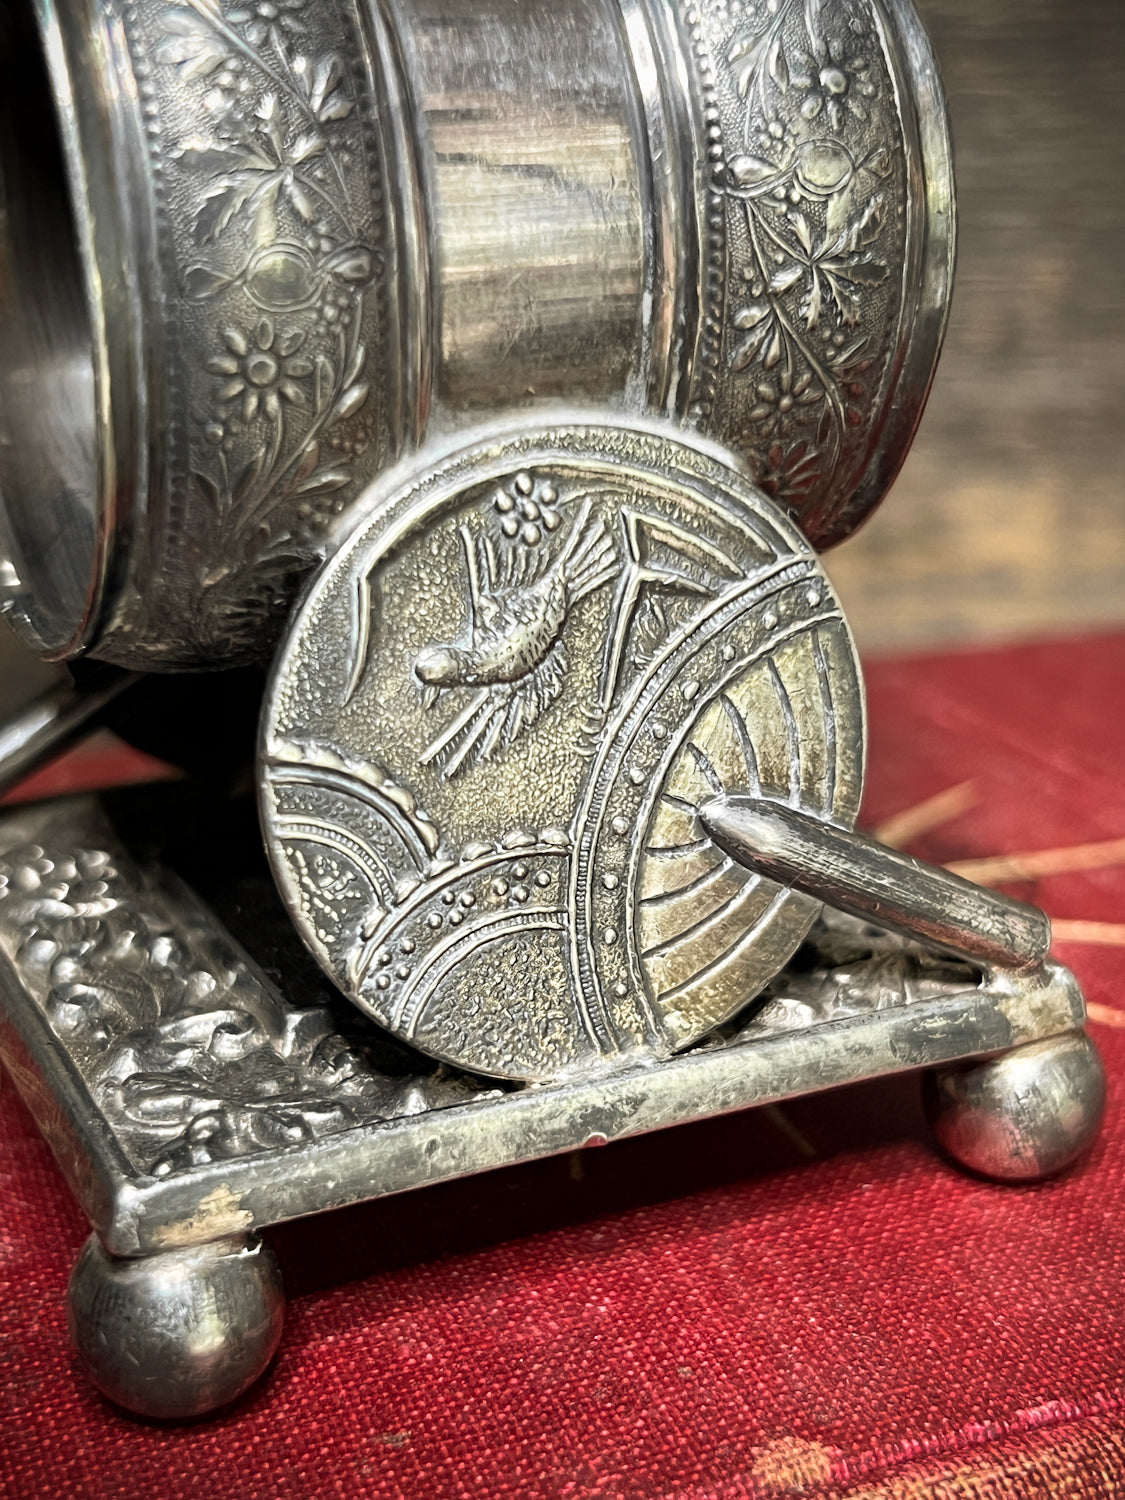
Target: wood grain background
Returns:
[1009, 517]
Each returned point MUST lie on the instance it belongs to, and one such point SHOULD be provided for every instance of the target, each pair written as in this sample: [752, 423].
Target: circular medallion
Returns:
[492, 722]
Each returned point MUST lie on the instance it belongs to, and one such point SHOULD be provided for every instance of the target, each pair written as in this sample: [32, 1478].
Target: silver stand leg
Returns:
[291, 1116]
[1018, 1117]
[1024, 1115]
[177, 1334]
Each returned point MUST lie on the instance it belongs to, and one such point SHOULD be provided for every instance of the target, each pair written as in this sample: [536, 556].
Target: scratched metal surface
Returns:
[1008, 519]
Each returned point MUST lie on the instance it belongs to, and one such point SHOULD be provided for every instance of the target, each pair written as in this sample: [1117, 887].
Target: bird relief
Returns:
[521, 588]
[513, 654]
[541, 678]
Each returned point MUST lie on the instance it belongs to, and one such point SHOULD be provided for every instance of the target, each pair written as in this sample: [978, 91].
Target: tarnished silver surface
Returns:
[251, 1125]
[826, 245]
[252, 251]
[856, 874]
[1025, 1115]
[492, 722]
[176, 1335]
[187, 1051]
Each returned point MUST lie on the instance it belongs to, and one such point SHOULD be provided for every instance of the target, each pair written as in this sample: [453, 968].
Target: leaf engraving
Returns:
[274, 173]
[812, 183]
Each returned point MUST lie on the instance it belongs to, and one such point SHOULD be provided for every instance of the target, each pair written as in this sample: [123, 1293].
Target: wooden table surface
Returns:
[1009, 518]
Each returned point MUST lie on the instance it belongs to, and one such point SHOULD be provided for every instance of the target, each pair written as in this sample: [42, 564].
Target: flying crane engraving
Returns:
[513, 652]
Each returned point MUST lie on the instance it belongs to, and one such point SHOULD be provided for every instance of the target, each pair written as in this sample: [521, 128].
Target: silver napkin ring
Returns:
[255, 252]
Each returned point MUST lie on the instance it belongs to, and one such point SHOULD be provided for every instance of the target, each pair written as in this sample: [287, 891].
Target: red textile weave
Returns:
[798, 1302]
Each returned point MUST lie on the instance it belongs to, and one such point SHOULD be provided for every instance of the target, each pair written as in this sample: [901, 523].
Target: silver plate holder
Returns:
[190, 1104]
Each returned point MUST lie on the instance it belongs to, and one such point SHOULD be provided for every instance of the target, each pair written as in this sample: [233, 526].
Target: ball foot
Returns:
[178, 1334]
[1024, 1115]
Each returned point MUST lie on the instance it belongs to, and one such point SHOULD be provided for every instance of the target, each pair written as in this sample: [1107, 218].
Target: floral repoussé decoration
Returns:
[815, 187]
[281, 247]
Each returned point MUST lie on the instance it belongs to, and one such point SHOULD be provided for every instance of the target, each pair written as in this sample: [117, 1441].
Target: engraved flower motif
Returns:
[226, 98]
[777, 139]
[775, 402]
[263, 372]
[527, 508]
[835, 84]
[259, 19]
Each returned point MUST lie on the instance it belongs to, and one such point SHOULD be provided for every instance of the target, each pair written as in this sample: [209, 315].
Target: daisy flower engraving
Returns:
[835, 84]
[263, 372]
[258, 20]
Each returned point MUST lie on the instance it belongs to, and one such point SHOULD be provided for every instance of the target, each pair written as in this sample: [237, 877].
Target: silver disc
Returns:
[492, 721]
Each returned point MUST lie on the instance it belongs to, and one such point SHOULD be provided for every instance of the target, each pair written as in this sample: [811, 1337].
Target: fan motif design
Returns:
[701, 917]
[516, 880]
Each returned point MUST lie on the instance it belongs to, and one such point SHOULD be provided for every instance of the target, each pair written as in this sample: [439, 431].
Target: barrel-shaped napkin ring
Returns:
[255, 251]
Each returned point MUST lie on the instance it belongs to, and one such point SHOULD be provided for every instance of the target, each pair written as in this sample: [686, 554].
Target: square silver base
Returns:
[187, 1095]
[197, 1086]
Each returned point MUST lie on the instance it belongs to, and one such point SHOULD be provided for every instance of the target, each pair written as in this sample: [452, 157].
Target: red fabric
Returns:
[800, 1302]
[103, 761]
